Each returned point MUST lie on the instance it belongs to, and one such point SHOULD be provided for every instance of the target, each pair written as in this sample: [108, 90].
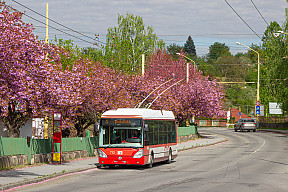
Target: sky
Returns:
[206, 21]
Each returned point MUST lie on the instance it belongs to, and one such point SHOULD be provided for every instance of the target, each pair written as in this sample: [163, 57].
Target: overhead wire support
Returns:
[243, 20]
[59, 23]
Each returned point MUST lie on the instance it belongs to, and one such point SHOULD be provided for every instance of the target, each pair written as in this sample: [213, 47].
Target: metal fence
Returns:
[13, 146]
[211, 123]
[20, 146]
[184, 131]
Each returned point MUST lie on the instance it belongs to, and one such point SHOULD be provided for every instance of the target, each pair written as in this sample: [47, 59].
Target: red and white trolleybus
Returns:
[137, 136]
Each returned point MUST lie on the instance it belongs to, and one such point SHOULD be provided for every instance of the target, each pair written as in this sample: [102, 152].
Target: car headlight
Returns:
[139, 154]
[101, 154]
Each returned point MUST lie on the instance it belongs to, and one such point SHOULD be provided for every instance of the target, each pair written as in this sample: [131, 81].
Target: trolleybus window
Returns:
[121, 133]
[160, 132]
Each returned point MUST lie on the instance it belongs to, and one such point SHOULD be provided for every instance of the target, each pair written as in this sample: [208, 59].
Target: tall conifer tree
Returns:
[189, 47]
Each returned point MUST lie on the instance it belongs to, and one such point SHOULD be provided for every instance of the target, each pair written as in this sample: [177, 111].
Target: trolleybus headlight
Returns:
[102, 154]
[139, 154]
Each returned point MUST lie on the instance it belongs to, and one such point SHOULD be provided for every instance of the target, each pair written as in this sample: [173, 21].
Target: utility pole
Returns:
[247, 111]
[143, 64]
[46, 41]
[46, 37]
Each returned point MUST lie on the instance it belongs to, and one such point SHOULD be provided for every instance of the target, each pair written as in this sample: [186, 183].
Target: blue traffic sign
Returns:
[257, 110]
[240, 113]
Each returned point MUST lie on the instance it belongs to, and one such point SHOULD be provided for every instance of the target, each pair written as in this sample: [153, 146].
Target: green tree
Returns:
[231, 68]
[92, 54]
[274, 71]
[217, 50]
[189, 47]
[126, 43]
[242, 96]
[173, 49]
[70, 49]
[252, 55]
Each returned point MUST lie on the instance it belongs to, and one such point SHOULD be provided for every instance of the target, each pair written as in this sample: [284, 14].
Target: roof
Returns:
[138, 112]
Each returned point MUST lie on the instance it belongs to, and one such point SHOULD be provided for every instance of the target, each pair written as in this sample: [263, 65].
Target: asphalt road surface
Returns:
[247, 162]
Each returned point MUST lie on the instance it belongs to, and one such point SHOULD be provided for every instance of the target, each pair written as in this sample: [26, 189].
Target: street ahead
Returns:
[247, 162]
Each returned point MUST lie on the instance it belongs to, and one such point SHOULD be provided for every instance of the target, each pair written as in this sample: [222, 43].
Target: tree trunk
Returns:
[15, 120]
[13, 130]
[80, 131]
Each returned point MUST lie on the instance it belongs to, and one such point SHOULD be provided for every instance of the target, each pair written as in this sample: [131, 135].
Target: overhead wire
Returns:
[81, 33]
[95, 39]
[259, 12]
[61, 30]
[243, 20]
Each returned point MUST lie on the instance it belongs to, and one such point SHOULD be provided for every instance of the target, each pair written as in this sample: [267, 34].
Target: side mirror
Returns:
[146, 128]
[96, 127]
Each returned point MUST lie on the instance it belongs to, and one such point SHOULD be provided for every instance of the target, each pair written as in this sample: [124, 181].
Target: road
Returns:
[247, 162]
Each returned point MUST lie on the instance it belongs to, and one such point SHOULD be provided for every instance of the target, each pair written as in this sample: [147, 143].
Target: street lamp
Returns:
[279, 33]
[258, 82]
[187, 75]
[282, 32]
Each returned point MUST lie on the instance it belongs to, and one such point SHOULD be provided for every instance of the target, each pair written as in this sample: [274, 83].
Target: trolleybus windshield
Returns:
[121, 133]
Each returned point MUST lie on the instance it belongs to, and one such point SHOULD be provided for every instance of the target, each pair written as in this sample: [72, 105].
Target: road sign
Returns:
[262, 110]
[257, 109]
[240, 113]
[258, 103]
[275, 108]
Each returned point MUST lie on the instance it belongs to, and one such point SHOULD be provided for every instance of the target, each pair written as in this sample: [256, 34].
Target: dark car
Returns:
[245, 124]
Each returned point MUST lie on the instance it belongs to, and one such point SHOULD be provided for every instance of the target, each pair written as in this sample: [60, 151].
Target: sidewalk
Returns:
[34, 174]
[274, 131]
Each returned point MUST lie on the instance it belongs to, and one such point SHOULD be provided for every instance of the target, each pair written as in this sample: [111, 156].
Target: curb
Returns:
[205, 145]
[284, 132]
[12, 186]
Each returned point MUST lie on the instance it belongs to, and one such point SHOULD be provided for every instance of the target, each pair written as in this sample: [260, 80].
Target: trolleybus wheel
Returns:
[170, 156]
[151, 160]
[111, 166]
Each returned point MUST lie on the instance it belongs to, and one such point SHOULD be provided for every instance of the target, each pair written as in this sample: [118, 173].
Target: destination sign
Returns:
[121, 122]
